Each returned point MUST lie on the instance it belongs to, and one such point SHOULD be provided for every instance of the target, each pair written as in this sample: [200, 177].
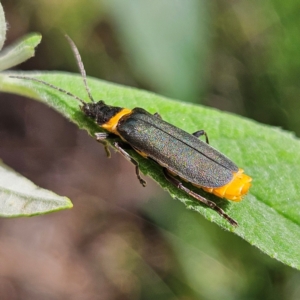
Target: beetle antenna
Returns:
[50, 85]
[80, 66]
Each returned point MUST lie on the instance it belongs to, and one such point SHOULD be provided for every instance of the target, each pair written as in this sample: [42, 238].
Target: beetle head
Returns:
[99, 111]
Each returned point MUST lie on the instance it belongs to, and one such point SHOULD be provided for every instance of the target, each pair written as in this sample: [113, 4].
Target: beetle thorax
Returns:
[100, 112]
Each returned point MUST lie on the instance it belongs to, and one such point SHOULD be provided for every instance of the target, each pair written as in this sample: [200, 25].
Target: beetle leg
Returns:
[200, 133]
[101, 138]
[132, 160]
[209, 203]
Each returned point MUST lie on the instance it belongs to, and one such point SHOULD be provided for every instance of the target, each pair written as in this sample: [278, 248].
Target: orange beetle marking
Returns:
[235, 189]
[111, 124]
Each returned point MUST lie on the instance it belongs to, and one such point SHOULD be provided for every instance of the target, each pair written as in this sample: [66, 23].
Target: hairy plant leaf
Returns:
[19, 51]
[19, 197]
[268, 217]
[2, 27]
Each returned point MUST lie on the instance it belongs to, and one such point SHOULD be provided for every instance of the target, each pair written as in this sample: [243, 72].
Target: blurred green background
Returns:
[122, 241]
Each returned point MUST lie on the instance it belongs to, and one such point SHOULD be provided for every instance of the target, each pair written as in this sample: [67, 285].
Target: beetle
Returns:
[182, 156]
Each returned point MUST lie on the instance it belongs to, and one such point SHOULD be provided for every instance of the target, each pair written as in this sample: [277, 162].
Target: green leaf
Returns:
[165, 53]
[2, 27]
[19, 51]
[268, 217]
[19, 197]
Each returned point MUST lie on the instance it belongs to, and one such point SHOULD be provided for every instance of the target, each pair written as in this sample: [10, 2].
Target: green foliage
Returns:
[268, 217]
[170, 61]
[19, 52]
[2, 27]
[21, 198]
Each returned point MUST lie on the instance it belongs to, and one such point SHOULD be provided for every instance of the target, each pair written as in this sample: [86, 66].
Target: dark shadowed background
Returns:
[123, 241]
